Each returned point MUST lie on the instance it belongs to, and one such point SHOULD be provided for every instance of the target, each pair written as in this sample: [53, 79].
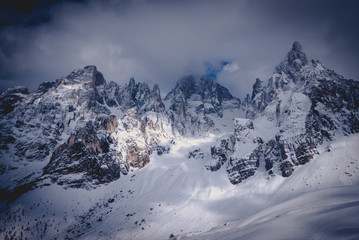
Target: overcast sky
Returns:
[159, 41]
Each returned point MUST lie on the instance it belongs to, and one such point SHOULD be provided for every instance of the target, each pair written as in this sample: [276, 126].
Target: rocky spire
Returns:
[257, 87]
[296, 56]
[132, 82]
[155, 103]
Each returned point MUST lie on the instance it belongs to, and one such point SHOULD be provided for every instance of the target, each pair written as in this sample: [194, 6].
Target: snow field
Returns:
[177, 195]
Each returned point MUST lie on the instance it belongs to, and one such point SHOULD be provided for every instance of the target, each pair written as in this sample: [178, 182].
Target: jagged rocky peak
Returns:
[206, 95]
[129, 96]
[296, 59]
[140, 96]
[306, 105]
[105, 95]
[297, 53]
[155, 104]
[86, 74]
[53, 109]
[156, 93]
[197, 103]
[257, 87]
[287, 75]
[200, 88]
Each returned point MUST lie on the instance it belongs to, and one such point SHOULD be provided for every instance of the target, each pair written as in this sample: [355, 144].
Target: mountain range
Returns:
[81, 157]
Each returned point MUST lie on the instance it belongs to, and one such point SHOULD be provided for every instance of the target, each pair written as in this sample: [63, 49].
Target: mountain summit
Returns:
[307, 105]
[196, 103]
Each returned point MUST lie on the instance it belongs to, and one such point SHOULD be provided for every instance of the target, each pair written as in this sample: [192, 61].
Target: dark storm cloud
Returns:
[28, 12]
[159, 41]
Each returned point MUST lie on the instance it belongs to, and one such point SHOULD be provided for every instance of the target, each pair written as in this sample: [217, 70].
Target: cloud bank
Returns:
[159, 41]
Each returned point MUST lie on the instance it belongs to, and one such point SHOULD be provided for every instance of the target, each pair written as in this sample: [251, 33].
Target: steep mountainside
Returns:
[80, 125]
[303, 105]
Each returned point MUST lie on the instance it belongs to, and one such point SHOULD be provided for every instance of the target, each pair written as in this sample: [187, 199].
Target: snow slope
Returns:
[177, 195]
[326, 214]
[319, 201]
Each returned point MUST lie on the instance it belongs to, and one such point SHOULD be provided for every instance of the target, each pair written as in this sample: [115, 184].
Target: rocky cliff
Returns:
[302, 106]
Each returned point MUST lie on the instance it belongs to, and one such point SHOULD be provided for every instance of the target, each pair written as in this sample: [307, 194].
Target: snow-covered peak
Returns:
[86, 74]
[257, 87]
[293, 74]
[302, 106]
[297, 53]
[83, 74]
[296, 58]
[139, 96]
[200, 88]
[287, 72]
[197, 105]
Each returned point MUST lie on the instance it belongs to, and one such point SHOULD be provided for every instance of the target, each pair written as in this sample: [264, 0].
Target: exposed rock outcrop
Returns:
[87, 151]
[305, 104]
[197, 104]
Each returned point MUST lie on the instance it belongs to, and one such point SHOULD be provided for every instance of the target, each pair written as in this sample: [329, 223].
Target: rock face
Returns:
[132, 95]
[196, 154]
[221, 153]
[88, 151]
[303, 106]
[196, 104]
[239, 153]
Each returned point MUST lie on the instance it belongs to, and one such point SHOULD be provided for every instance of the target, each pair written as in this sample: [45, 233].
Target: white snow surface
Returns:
[326, 214]
[176, 195]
